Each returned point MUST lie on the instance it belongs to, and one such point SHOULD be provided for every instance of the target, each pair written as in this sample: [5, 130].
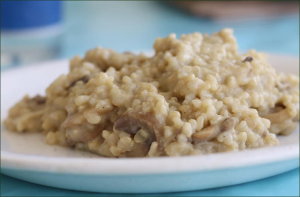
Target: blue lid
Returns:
[17, 15]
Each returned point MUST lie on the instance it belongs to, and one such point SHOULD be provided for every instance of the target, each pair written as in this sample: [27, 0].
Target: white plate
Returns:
[27, 157]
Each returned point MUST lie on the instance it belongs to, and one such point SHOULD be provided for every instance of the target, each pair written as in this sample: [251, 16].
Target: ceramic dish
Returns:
[28, 158]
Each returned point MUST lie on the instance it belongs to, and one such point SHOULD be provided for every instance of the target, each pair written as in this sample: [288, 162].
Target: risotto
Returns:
[195, 95]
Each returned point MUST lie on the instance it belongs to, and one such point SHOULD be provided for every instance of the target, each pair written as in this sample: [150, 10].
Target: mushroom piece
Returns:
[39, 99]
[213, 131]
[84, 79]
[281, 121]
[134, 123]
[278, 117]
[35, 103]
[248, 59]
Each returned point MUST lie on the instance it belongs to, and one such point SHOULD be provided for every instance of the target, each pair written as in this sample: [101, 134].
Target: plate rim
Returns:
[161, 165]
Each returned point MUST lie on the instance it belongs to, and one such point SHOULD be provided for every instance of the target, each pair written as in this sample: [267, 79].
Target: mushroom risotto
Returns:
[195, 95]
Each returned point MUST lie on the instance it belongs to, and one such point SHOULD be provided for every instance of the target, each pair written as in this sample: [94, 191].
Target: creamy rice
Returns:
[195, 95]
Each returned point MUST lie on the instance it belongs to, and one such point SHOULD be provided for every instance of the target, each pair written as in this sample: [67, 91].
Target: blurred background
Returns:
[34, 31]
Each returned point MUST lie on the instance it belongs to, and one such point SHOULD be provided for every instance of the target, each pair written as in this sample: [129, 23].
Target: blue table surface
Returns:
[134, 26]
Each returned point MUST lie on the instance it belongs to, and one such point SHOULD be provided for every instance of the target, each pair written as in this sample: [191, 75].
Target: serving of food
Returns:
[195, 95]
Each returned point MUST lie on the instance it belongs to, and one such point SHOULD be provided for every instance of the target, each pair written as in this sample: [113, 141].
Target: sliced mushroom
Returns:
[283, 86]
[39, 99]
[281, 121]
[227, 124]
[213, 131]
[206, 134]
[130, 124]
[134, 123]
[248, 59]
[36, 102]
[84, 79]
[144, 127]
[278, 116]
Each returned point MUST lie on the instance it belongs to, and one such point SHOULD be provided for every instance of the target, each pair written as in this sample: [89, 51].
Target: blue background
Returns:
[41, 13]
[134, 26]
